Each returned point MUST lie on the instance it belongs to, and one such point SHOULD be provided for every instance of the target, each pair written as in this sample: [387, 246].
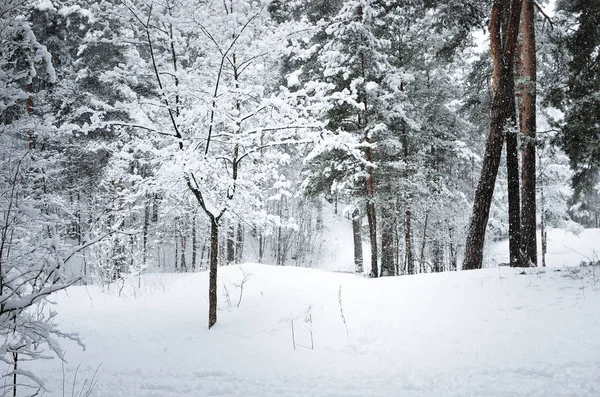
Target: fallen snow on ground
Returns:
[565, 248]
[493, 332]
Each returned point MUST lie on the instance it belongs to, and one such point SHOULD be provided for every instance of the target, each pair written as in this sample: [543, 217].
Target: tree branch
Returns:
[546, 17]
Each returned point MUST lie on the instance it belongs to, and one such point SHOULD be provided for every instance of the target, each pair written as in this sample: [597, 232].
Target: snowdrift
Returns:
[494, 332]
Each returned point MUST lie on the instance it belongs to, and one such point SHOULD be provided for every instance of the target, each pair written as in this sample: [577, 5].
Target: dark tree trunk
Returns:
[372, 219]
[239, 243]
[155, 204]
[512, 172]
[356, 233]
[261, 247]
[408, 242]
[335, 203]
[387, 242]
[194, 243]
[528, 130]
[214, 254]
[230, 243]
[183, 264]
[502, 44]
[542, 215]
[423, 243]
[176, 253]
[214, 265]
[437, 255]
[453, 254]
[409, 255]
[145, 231]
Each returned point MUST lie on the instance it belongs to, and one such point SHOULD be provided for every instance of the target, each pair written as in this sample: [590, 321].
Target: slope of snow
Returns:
[564, 248]
[493, 332]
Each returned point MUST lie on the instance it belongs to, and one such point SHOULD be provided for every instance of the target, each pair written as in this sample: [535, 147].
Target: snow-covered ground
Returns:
[494, 332]
[565, 248]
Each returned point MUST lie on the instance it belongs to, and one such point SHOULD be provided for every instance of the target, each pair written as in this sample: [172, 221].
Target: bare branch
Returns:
[546, 17]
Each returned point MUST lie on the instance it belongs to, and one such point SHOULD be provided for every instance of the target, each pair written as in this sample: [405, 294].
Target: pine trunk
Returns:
[387, 243]
[239, 243]
[194, 243]
[408, 244]
[423, 243]
[372, 218]
[356, 233]
[512, 172]
[502, 44]
[230, 243]
[183, 264]
[528, 130]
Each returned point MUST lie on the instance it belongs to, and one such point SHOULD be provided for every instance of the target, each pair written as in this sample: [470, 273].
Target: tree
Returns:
[504, 29]
[577, 94]
[34, 253]
[527, 123]
[211, 141]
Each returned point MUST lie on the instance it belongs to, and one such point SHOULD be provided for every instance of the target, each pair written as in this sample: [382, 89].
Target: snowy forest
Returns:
[193, 148]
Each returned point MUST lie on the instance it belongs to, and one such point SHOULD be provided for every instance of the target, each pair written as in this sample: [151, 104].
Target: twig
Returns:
[546, 17]
[342, 310]
[293, 338]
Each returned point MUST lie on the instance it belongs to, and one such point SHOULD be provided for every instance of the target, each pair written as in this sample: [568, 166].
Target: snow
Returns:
[493, 332]
[564, 248]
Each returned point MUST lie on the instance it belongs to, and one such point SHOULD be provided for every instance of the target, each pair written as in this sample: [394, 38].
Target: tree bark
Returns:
[214, 265]
[408, 243]
[230, 243]
[176, 252]
[423, 243]
[502, 45]
[542, 214]
[356, 233]
[239, 243]
[512, 172]
[183, 264]
[528, 130]
[145, 231]
[372, 219]
[194, 243]
[387, 243]
[408, 237]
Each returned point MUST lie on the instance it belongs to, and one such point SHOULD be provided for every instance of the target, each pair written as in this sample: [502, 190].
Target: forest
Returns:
[141, 138]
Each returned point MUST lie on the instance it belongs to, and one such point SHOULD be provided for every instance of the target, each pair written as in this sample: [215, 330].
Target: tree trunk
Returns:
[512, 172]
[423, 243]
[194, 243]
[155, 203]
[261, 247]
[145, 231]
[387, 242]
[372, 219]
[408, 243]
[356, 233]
[542, 214]
[453, 254]
[230, 243]
[502, 44]
[183, 264]
[239, 243]
[214, 265]
[528, 130]
[176, 252]
[437, 255]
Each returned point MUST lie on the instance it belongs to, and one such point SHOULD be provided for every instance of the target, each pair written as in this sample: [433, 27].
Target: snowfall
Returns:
[302, 332]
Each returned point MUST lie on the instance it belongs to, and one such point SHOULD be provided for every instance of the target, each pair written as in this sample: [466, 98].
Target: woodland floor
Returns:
[493, 332]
